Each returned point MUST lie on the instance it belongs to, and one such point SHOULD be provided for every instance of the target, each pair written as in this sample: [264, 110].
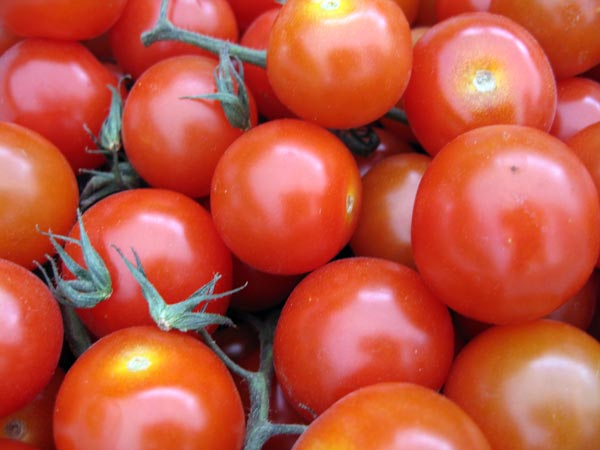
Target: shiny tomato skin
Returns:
[473, 70]
[173, 142]
[212, 17]
[73, 93]
[449, 8]
[285, 196]
[71, 20]
[506, 224]
[31, 336]
[141, 388]
[585, 144]
[38, 190]
[355, 322]
[531, 386]
[390, 416]
[176, 242]
[578, 106]
[340, 64]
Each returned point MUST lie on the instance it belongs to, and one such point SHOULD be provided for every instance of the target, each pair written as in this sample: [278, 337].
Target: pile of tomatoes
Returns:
[307, 224]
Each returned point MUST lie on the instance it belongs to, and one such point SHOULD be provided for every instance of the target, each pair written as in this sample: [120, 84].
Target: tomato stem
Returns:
[77, 337]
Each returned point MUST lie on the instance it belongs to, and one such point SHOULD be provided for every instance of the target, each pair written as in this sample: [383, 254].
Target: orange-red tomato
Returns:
[578, 106]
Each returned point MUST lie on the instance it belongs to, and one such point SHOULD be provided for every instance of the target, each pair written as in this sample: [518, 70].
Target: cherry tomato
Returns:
[176, 242]
[341, 63]
[212, 17]
[72, 20]
[10, 444]
[473, 70]
[389, 144]
[531, 386]
[73, 94]
[38, 191]
[392, 416]
[247, 11]
[7, 37]
[579, 309]
[426, 15]
[285, 196]
[142, 388]
[355, 322]
[171, 141]
[31, 336]
[566, 29]
[410, 8]
[578, 106]
[585, 144]
[448, 8]
[506, 224]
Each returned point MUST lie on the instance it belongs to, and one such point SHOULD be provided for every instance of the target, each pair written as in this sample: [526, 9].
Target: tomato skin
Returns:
[61, 19]
[176, 242]
[449, 8]
[7, 37]
[246, 12]
[512, 254]
[74, 89]
[285, 196]
[10, 444]
[578, 106]
[531, 386]
[393, 416]
[141, 388]
[314, 45]
[172, 142]
[355, 322]
[585, 144]
[389, 144]
[30, 324]
[473, 70]
[39, 189]
[212, 17]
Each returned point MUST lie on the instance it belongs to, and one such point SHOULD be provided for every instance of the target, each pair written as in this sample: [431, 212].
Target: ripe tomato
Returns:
[448, 8]
[285, 196]
[355, 322]
[7, 37]
[247, 11]
[388, 416]
[31, 336]
[473, 70]
[506, 224]
[176, 242]
[578, 106]
[10, 444]
[73, 93]
[531, 386]
[585, 144]
[410, 8]
[142, 388]
[212, 17]
[389, 144]
[579, 309]
[566, 29]
[174, 142]
[72, 20]
[341, 63]
[38, 190]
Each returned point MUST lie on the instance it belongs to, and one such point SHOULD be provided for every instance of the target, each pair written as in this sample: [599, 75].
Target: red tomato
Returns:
[285, 196]
[448, 8]
[389, 144]
[142, 388]
[356, 322]
[340, 64]
[73, 93]
[174, 142]
[72, 20]
[384, 224]
[473, 70]
[578, 106]
[393, 416]
[506, 224]
[212, 17]
[31, 336]
[9, 444]
[426, 14]
[247, 11]
[566, 29]
[38, 190]
[579, 309]
[410, 8]
[7, 37]
[176, 242]
[531, 386]
[585, 144]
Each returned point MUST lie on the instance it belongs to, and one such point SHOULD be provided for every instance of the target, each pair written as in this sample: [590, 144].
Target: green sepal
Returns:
[360, 141]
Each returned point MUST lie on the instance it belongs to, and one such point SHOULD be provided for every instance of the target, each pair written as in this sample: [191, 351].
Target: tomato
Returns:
[72, 20]
[566, 29]
[174, 142]
[33, 423]
[585, 144]
[38, 190]
[449, 8]
[342, 63]
[212, 17]
[579, 309]
[7, 37]
[531, 386]
[392, 416]
[506, 224]
[142, 388]
[176, 242]
[389, 144]
[410, 8]
[247, 11]
[355, 322]
[74, 90]
[426, 15]
[384, 224]
[578, 106]
[9, 444]
[285, 196]
[473, 70]
[31, 336]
